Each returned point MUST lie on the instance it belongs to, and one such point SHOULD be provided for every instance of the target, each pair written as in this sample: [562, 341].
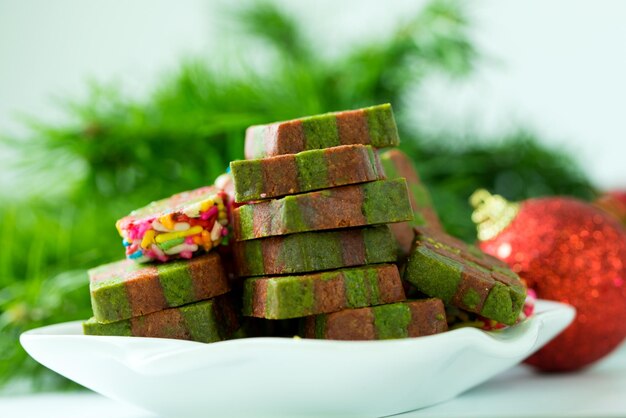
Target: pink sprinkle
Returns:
[158, 254]
[143, 227]
[224, 232]
[186, 254]
[207, 214]
[189, 240]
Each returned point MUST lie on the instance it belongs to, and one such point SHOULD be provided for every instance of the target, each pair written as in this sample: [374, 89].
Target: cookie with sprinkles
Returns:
[207, 321]
[398, 165]
[286, 297]
[315, 251]
[373, 126]
[461, 275]
[303, 172]
[180, 226]
[125, 289]
[416, 318]
[379, 202]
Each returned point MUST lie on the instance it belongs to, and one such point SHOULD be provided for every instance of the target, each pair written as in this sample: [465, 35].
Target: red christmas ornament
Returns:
[568, 251]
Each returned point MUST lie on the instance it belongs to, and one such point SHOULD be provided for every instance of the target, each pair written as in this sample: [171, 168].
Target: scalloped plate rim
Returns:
[161, 360]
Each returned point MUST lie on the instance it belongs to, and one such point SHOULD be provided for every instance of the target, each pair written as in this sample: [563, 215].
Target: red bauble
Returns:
[568, 251]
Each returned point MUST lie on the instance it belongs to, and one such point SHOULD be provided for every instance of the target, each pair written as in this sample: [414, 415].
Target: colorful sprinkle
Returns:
[216, 232]
[135, 255]
[148, 238]
[181, 226]
[209, 213]
[178, 226]
[167, 221]
[171, 243]
[206, 205]
[181, 248]
[178, 234]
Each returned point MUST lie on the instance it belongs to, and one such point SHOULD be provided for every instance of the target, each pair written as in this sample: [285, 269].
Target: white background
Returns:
[556, 66]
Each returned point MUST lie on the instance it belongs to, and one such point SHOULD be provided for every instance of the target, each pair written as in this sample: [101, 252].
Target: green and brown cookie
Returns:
[125, 289]
[379, 202]
[373, 126]
[303, 172]
[409, 319]
[311, 294]
[398, 165]
[207, 321]
[461, 275]
[315, 251]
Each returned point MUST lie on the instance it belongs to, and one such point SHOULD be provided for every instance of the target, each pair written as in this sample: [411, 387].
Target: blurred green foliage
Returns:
[116, 154]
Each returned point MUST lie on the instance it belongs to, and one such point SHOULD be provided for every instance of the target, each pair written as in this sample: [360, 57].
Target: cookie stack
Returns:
[312, 238]
[184, 296]
[322, 228]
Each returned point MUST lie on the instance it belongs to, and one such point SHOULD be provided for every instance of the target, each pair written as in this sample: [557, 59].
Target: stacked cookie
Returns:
[464, 277]
[184, 296]
[477, 289]
[312, 238]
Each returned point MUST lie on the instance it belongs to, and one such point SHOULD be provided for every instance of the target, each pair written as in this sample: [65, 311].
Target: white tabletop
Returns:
[597, 392]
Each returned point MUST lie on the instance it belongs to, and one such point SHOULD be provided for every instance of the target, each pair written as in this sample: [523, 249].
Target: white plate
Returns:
[281, 377]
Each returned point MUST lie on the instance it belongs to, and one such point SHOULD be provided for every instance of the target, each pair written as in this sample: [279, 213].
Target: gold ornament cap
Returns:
[492, 213]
